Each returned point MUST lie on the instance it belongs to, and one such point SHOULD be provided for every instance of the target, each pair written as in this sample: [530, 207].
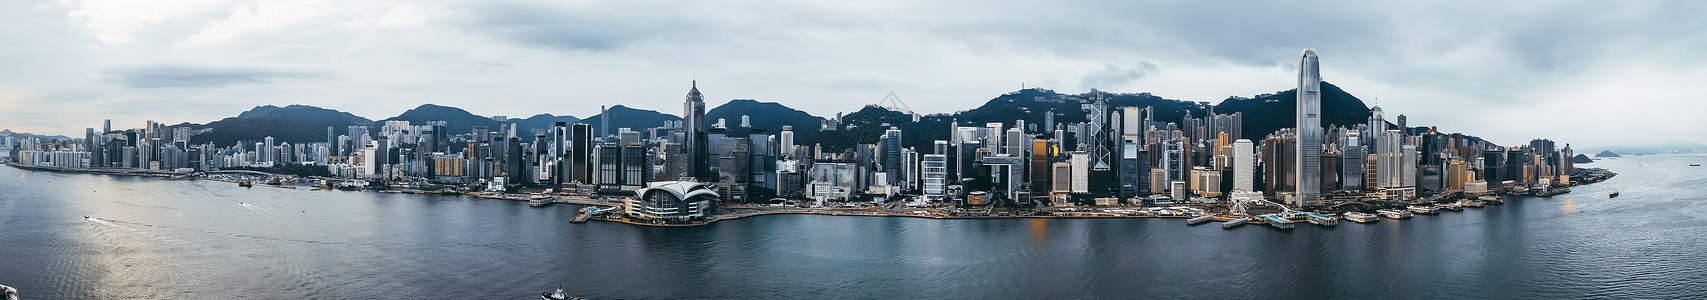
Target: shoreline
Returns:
[1597, 175]
[873, 215]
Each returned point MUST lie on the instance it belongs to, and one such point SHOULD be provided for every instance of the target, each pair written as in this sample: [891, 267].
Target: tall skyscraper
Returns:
[581, 169]
[1352, 162]
[786, 138]
[891, 156]
[1309, 158]
[330, 138]
[694, 144]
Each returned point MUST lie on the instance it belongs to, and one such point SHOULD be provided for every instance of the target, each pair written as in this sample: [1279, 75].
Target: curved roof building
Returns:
[671, 202]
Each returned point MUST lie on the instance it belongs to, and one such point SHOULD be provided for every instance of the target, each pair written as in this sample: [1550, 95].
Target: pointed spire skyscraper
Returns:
[1309, 159]
[693, 132]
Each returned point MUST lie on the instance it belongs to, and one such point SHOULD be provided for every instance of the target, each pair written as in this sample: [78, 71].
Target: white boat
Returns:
[1421, 210]
[558, 295]
[1394, 213]
[1360, 217]
[11, 293]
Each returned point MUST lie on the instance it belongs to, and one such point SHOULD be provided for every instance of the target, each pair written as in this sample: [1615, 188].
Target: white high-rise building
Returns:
[786, 137]
[1244, 166]
[1309, 148]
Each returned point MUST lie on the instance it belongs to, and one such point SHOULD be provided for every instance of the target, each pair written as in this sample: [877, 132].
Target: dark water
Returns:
[182, 239]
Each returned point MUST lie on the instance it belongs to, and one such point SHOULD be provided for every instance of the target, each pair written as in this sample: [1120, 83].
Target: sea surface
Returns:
[149, 238]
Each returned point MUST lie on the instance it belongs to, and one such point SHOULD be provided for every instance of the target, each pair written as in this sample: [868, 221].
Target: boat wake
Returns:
[250, 207]
[110, 224]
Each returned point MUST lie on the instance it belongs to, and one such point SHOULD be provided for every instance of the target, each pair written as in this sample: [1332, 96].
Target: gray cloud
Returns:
[1113, 75]
[186, 76]
[823, 57]
[552, 26]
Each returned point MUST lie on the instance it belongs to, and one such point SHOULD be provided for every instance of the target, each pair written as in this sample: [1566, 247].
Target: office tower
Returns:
[106, 126]
[1457, 173]
[1130, 141]
[1040, 153]
[1099, 135]
[1013, 143]
[890, 159]
[1049, 120]
[934, 169]
[604, 121]
[581, 169]
[1061, 183]
[1352, 162]
[1309, 154]
[1408, 166]
[786, 137]
[609, 161]
[1403, 129]
[1081, 166]
[1244, 166]
[693, 129]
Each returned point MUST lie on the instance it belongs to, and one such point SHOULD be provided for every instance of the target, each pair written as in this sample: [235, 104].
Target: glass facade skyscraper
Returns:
[1309, 158]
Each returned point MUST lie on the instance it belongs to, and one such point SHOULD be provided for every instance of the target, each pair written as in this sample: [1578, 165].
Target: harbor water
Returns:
[163, 239]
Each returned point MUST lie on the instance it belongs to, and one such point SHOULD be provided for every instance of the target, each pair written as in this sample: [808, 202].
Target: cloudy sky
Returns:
[1589, 73]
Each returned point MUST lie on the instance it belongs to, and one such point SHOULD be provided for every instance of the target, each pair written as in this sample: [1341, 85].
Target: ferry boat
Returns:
[1470, 203]
[1449, 206]
[1234, 223]
[1224, 217]
[1360, 217]
[1198, 220]
[1395, 214]
[1492, 199]
[11, 293]
[1421, 210]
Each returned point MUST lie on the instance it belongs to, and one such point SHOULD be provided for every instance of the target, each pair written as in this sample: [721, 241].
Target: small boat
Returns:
[10, 292]
[1613, 195]
[558, 295]
[1695, 165]
[245, 184]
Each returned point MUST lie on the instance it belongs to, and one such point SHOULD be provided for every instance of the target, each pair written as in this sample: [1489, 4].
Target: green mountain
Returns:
[541, 123]
[769, 116]
[457, 120]
[628, 117]
[290, 124]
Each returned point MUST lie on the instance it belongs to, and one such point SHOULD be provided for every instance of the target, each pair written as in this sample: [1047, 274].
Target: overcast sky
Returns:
[1588, 73]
